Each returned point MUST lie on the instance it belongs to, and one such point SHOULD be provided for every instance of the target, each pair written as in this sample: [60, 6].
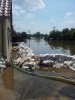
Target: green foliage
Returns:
[46, 36]
[65, 34]
[23, 35]
[38, 34]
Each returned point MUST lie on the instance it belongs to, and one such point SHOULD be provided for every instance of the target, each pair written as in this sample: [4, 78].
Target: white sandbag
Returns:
[72, 68]
[25, 67]
[2, 66]
[73, 59]
[18, 60]
[29, 63]
[2, 62]
[1, 58]
[58, 65]
[30, 54]
[48, 62]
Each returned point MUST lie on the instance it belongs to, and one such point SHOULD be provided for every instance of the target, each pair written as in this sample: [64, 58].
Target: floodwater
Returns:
[40, 46]
[15, 85]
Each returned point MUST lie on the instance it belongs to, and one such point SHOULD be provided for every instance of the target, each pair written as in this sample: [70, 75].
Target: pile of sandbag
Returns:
[26, 56]
[58, 60]
[25, 51]
[26, 63]
[2, 62]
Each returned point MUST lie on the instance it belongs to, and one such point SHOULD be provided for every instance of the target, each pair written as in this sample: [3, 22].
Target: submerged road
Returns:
[15, 85]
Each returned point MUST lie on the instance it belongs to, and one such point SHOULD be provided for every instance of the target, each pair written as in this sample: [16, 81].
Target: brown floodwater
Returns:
[41, 46]
[15, 85]
[7, 84]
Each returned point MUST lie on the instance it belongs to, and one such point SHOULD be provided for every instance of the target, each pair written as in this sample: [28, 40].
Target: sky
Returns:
[42, 15]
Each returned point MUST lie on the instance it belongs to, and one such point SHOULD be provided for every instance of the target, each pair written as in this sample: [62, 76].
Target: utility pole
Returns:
[29, 37]
[29, 31]
[54, 28]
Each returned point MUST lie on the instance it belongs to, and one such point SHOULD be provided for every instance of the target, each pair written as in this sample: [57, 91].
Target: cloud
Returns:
[68, 14]
[69, 23]
[30, 15]
[33, 23]
[52, 21]
[30, 4]
[72, 21]
[22, 11]
[34, 4]
[19, 26]
[17, 10]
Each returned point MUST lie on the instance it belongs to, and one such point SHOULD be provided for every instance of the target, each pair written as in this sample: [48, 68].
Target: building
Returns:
[6, 28]
[7, 33]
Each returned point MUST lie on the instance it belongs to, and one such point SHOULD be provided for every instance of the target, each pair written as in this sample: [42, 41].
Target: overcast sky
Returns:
[43, 15]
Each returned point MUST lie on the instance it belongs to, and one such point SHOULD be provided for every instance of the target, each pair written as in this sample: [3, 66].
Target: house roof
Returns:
[5, 7]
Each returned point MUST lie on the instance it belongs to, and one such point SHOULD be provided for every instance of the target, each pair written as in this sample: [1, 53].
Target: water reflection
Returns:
[41, 46]
[30, 87]
[38, 40]
[7, 84]
[8, 78]
[64, 45]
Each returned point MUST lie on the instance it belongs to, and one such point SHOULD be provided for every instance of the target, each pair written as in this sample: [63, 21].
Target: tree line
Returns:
[65, 34]
[25, 35]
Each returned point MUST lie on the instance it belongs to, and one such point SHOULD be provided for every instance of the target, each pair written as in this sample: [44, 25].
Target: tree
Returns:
[24, 35]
